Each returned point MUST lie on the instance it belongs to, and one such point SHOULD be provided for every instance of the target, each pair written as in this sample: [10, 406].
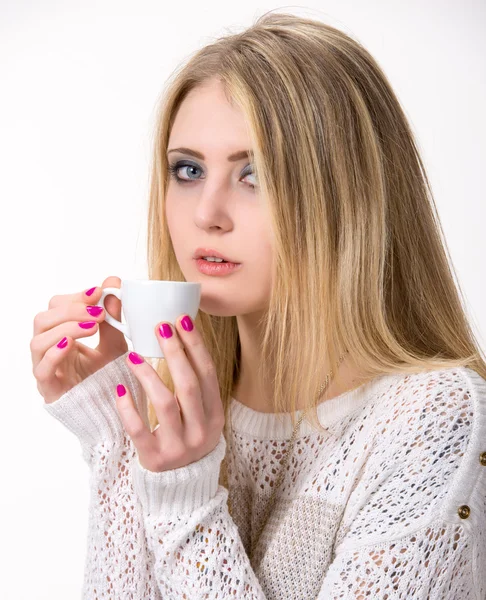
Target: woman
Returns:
[320, 430]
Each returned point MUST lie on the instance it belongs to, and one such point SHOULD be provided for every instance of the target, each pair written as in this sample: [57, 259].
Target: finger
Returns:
[72, 311]
[203, 365]
[165, 405]
[71, 320]
[89, 296]
[143, 439]
[111, 338]
[186, 382]
[45, 370]
[59, 310]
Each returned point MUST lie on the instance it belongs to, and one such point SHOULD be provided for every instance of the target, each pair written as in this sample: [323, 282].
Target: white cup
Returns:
[147, 302]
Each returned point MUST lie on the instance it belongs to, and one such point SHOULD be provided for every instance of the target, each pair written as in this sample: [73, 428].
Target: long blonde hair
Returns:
[360, 259]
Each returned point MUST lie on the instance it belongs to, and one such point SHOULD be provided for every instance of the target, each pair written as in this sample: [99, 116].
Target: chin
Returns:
[215, 308]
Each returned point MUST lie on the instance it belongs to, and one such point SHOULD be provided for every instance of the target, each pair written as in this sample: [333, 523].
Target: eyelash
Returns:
[174, 167]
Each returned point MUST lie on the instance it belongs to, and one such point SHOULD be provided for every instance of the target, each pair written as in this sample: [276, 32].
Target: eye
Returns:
[174, 169]
[249, 171]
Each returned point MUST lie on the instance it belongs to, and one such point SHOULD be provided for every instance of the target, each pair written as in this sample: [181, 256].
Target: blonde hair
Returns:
[360, 259]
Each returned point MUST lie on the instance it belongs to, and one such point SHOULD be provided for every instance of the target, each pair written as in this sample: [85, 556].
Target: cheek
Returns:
[177, 236]
[175, 219]
[267, 252]
[169, 209]
[261, 261]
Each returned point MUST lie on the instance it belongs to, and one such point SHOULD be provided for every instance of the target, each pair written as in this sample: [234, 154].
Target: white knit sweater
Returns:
[389, 503]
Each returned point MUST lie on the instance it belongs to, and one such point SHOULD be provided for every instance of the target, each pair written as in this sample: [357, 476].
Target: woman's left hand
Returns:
[192, 419]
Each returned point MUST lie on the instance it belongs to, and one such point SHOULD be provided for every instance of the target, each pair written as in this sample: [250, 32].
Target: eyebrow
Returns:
[240, 155]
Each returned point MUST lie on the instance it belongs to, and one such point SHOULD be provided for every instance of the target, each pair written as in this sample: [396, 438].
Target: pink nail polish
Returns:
[87, 324]
[63, 343]
[94, 311]
[120, 390]
[135, 358]
[186, 323]
[165, 330]
[90, 291]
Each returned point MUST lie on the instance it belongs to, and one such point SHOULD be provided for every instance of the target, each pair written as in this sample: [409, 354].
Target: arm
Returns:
[402, 534]
[197, 546]
[434, 562]
[118, 561]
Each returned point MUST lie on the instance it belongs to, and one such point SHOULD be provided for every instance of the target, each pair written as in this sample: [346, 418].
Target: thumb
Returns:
[111, 339]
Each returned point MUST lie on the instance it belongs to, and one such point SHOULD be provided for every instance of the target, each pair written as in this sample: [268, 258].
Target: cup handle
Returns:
[123, 327]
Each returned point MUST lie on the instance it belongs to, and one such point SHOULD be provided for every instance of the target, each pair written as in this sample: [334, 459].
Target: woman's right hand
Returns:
[56, 369]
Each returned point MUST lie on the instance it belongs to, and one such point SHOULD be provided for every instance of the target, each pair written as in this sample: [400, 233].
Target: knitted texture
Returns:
[388, 503]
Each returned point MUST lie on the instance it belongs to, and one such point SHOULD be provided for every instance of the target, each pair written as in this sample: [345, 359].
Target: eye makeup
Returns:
[175, 167]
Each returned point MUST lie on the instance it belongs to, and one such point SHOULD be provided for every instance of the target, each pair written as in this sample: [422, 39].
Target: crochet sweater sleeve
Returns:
[118, 559]
[412, 529]
[415, 525]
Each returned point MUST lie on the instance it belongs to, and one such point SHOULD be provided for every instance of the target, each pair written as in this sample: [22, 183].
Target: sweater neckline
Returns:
[275, 426]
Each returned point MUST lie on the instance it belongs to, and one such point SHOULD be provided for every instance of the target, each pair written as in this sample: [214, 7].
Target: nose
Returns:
[212, 209]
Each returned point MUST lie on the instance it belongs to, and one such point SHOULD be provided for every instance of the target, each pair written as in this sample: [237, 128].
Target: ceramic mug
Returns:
[147, 302]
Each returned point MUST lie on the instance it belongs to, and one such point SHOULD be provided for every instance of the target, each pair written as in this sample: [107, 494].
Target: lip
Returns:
[211, 252]
[214, 269]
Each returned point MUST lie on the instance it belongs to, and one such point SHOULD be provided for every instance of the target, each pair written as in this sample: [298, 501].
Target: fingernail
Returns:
[62, 343]
[165, 330]
[120, 390]
[90, 291]
[87, 324]
[135, 358]
[186, 322]
[94, 311]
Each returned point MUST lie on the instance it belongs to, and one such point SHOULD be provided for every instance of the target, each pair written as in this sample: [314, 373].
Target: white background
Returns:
[79, 86]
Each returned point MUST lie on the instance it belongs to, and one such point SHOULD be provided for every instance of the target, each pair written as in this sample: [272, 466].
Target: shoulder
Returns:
[415, 520]
[424, 393]
[430, 430]
[423, 461]
[443, 400]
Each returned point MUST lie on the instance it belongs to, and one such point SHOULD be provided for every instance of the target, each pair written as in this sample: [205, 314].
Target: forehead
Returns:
[206, 120]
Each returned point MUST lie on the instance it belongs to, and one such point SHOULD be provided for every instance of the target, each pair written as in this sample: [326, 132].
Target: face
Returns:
[216, 203]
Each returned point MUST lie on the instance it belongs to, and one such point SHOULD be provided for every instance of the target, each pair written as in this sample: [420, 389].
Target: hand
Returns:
[59, 361]
[191, 420]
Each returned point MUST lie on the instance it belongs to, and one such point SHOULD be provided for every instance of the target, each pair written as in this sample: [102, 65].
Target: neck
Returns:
[257, 396]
